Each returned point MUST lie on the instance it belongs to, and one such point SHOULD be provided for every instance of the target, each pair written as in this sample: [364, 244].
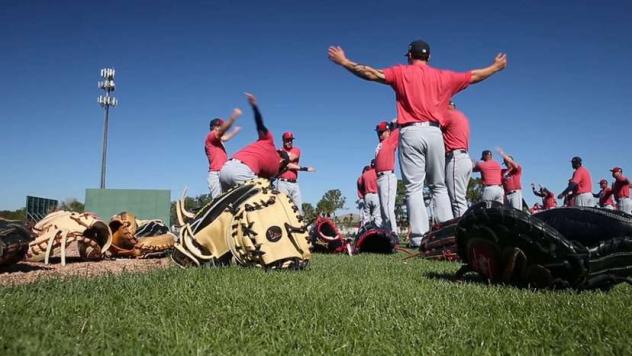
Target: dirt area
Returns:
[29, 272]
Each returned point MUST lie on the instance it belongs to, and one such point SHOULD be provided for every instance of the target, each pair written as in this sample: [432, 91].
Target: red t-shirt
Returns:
[621, 187]
[423, 92]
[456, 131]
[605, 197]
[581, 177]
[261, 157]
[215, 152]
[512, 179]
[292, 174]
[385, 158]
[369, 181]
[490, 172]
[549, 201]
[360, 187]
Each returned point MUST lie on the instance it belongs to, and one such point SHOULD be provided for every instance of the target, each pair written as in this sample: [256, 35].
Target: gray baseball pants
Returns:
[422, 161]
[514, 200]
[387, 190]
[214, 186]
[458, 170]
[372, 208]
[233, 173]
[494, 193]
[584, 199]
[292, 190]
[625, 205]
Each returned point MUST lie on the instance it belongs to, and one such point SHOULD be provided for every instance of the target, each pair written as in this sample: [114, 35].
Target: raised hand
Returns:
[337, 55]
[252, 100]
[500, 62]
[236, 113]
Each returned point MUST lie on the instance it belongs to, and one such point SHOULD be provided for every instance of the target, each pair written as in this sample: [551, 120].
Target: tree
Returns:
[474, 191]
[309, 213]
[19, 214]
[72, 204]
[331, 201]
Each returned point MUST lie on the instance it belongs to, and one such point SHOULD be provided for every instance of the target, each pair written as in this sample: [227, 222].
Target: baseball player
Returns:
[422, 94]
[286, 182]
[385, 170]
[580, 184]
[621, 190]
[258, 159]
[361, 194]
[512, 181]
[458, 165]
[371, 199]
[491, 177]
[548, 197]
[215, 151]
[605, 196]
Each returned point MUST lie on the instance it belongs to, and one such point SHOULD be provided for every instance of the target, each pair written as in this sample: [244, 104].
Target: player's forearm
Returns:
[484, 73]
[259, 120]
[364, 71]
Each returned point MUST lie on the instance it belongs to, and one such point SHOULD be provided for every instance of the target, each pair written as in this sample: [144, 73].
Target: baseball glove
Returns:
[371, 238]
[139, 238]
[252, 225]
[509, 246]
[325, 237]
[440, 242]
[14, 242]
[58, 229]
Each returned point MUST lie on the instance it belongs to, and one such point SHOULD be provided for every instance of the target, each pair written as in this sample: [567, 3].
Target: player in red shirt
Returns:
[548, 197]
[512, 181]
[258, 159]
[422, 95]
[458, 164]
[621, 190]
[491, 177]
[385, 170]
[361, 193]
[287, 181]
[215, 151]
[371, 199]
[580, 184]
[605, 195]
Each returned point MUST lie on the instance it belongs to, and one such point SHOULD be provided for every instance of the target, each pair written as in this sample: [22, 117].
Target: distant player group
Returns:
[432, 138]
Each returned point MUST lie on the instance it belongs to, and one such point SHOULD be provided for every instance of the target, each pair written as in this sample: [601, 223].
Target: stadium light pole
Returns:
[107, 101]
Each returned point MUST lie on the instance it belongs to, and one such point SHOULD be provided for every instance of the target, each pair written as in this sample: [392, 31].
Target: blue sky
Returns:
[566, 90]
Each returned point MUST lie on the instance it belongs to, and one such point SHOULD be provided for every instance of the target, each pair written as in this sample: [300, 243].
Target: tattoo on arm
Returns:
[366, 72]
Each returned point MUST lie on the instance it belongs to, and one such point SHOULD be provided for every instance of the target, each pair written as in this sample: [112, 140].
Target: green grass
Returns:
[360, 305]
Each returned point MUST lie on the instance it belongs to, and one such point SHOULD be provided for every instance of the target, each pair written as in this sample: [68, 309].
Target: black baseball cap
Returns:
[418, 48]
[485, 153]
[576, 159]
[216, 122]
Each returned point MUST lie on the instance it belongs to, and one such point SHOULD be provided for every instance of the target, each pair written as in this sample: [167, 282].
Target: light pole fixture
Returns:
[107, 84]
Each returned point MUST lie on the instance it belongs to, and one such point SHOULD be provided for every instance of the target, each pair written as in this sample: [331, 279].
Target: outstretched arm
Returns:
[571, 186]
[337, 55]
[261, 129]
[510, 162]
[229, 135]
[296, 167]
[500, 63]
[228, 123]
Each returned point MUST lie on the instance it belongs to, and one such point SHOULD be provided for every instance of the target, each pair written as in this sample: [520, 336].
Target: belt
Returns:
[451, 153]
[493, 185]
[384, 172]
[513, 191]
[288, 180]
[236, 160]
[422, 124]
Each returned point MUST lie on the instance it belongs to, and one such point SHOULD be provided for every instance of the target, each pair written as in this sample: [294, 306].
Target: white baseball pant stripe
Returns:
[458, 170]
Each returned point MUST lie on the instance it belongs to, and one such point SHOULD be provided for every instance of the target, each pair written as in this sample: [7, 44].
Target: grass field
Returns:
[360, 305]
